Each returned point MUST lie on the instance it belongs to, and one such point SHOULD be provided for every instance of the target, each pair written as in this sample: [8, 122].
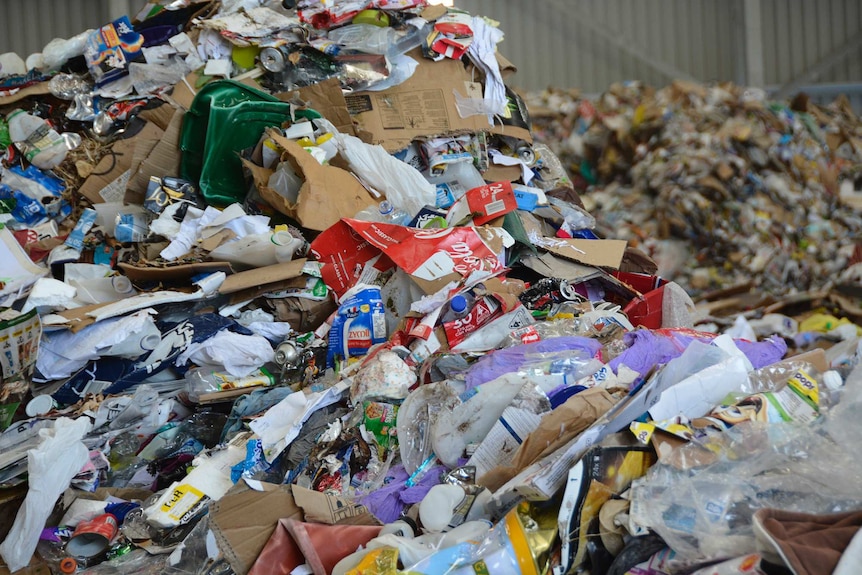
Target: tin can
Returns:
[92, 538]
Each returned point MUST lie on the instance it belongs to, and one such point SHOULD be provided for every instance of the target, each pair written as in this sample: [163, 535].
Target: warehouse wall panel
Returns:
[802, 32]
[27, 25]
[576, 42]
[566, 42]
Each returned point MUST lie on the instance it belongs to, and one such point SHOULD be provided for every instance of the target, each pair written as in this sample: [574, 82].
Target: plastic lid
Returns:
[386, 207]
[833, 380]
[68, 565]
[458, 304]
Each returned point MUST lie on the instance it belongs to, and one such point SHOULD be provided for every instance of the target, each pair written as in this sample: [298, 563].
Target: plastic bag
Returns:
[375, 40]
[58, 51]
[236, 354]
[285, 181]
[50, 468]
[569, 356]
[401, 183]
[705, 513]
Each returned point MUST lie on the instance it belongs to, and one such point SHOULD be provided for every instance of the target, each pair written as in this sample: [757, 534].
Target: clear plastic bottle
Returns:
[457, 180]
[459, 306]
[385, 213]
[124, 447]
[41, 144]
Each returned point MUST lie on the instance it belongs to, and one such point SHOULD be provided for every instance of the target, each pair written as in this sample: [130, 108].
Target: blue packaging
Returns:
[110, 49]
[428, 217]
[360, 323]
[25, 209]
[527, 201]
[85, 222]
[124, 373]
[131, 227]
[445, 195]
[48, 181]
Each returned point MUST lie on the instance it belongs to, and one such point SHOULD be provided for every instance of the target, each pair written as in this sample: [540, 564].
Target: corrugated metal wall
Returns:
[798, 33]
[27, 25]
[566, 42]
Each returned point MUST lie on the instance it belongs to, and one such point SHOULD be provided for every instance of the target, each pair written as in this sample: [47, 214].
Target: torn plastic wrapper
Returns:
[520, 544]
[429, 256]
[602, 473]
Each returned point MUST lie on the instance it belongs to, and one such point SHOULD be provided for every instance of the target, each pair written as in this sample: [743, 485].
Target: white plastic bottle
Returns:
[38, 141]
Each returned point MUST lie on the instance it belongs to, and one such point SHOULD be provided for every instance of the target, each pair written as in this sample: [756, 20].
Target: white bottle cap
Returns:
[832, 379]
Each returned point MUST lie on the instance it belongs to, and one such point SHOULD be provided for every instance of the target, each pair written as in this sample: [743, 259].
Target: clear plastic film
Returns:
[774, 377]
[136, 562]
[701, 501]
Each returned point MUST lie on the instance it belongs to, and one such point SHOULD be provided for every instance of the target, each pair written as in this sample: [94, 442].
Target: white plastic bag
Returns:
[401, 183]
[238, 354]
[50, 467]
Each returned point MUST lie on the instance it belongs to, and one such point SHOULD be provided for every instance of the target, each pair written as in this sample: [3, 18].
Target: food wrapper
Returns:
[520, 544]
[379, 420]
[383, 561]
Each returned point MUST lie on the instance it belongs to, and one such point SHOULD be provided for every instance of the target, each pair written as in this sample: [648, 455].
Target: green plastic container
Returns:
[225, 118]
[223, 94]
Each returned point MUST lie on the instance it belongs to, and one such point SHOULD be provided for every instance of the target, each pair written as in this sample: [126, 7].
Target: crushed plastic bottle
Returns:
[385, 213]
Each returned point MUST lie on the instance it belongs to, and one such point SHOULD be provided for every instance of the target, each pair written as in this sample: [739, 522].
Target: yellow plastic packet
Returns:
[382, 561]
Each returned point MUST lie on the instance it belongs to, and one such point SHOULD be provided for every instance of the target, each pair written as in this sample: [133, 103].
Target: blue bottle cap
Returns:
[458, 304]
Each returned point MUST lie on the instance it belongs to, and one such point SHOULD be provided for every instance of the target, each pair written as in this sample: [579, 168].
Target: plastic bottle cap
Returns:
[832, 379]
[68, 565]
[386, 207]
[458, 304]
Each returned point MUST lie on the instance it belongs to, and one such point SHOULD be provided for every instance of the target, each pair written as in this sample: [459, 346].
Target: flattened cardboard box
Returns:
[178, 273]
[327, 194]
[245, 518]
[330, 509]
[107, 182]
[326, 98]
[423, 106]
[162, 159]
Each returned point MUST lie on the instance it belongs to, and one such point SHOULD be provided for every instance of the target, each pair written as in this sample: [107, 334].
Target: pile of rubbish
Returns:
[292, 290]
[722, 186]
